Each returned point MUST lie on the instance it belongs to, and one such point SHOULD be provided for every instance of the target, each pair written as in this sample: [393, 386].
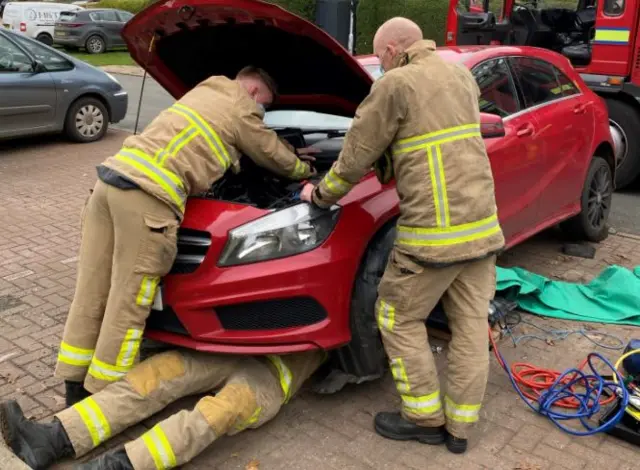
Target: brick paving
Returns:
[44, 183]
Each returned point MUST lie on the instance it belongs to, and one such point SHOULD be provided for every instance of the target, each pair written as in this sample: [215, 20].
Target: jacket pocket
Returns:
[159, 245]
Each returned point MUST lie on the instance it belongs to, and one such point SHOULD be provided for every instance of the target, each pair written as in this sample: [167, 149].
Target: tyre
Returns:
[95, 45]
[45, 39]
[87, 120]
[624, 121]
[364, 357]
[591, 224]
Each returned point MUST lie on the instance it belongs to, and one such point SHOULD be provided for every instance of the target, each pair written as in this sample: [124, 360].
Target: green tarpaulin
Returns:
[612, 297]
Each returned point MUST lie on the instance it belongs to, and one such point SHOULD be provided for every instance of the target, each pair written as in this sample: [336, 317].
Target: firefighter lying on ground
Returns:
[425, 111]
[251, 391]
[130, 221]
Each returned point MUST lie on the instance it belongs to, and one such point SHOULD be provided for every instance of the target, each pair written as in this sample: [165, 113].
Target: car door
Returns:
[28, 99]
[565, 135]
[514, 158]
[112, 25]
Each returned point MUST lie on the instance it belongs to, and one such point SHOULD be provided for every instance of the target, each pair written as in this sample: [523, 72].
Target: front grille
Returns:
[192, 248]
[271, 314]
[167, 320]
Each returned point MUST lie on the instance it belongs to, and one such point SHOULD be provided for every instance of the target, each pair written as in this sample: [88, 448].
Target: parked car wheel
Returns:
[364, 357]
[45, 38]
[87, 120]
[591, 224]
[95, 45]
[624, 121]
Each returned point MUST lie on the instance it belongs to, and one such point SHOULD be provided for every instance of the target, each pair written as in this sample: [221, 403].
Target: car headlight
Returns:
[287, 232]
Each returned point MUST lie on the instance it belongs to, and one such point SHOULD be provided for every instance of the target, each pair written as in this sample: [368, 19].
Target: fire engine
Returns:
[600, 38]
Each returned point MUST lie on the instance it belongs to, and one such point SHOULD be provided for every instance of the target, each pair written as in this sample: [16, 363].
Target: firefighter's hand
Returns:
[307, 191]
[306, 154]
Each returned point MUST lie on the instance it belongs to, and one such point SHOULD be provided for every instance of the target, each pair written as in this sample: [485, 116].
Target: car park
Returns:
[258, 271]
[34, 19]
[46, 91]
[96, 30]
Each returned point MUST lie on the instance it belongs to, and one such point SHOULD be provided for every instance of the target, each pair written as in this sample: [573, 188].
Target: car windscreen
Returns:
[306, 120]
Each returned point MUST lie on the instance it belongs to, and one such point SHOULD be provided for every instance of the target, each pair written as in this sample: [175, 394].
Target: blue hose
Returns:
[589, 400]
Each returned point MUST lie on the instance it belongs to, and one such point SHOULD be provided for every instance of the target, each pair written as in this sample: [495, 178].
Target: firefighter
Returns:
[250, 392]
[421, 124]
[131, 218]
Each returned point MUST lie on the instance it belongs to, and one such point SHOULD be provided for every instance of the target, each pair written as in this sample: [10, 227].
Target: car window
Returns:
[567, 87]
[537, 80]
[497, 92]
[12, 59]
[108, 15]
[125, 16]
[52, 61]
[614, 7]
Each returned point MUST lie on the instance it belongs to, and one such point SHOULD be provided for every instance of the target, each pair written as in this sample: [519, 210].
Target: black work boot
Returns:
[117, 460]
[393, 426]
[38, 445]
[456, 445]
[74, 392]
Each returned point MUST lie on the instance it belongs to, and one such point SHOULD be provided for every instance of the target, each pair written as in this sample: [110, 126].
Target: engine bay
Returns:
[257, 186]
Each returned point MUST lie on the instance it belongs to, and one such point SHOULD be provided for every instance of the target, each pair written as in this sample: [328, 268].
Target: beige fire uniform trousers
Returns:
[129, 241]
[251, 391]
[408, 292]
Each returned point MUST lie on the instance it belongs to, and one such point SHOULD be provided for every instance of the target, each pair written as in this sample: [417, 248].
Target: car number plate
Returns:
[157, 301]
[60, 33]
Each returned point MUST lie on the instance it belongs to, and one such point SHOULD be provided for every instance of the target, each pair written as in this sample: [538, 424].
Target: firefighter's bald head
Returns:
[393, 38]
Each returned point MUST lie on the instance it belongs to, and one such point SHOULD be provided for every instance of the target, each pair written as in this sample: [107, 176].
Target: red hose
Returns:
[533, 381]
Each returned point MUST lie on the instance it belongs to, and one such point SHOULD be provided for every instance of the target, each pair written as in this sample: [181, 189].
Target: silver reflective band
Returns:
[436, 138]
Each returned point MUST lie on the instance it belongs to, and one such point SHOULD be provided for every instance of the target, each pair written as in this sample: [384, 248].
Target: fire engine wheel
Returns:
[624, 122]
[591, 224]
[364, 358]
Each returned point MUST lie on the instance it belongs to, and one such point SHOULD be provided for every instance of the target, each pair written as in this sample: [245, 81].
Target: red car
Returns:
[258, 271]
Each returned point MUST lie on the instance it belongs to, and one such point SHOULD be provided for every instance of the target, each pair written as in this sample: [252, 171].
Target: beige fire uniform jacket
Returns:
[191, 144]
[425, 115]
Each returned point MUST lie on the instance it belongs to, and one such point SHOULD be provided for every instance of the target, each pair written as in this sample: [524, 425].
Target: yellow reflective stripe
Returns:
[74, 356]
[94, 420]
[436, 138]
[252, 420]
[613, 36]
[212, 138]
[147, 291]
[335, 184]
[285, 376]
[162, 178]
[176, 144]
[442, 188]
[386, 315]
[424, 404]
[298, 170]
[158, 445]
[400, 375]
[434, 185]
[461, 413]
[107, 372]
[129, 348]
[448, 235]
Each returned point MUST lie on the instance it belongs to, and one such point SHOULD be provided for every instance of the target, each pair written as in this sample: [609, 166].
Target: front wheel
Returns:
[591, 223]
[87, 120]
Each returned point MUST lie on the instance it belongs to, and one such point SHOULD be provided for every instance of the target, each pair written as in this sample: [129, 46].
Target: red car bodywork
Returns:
[534, 191]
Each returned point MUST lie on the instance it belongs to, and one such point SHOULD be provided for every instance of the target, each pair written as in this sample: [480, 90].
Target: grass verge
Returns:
[108, 58]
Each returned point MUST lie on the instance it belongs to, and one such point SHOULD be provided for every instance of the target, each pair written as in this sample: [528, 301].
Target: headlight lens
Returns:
[288, 232]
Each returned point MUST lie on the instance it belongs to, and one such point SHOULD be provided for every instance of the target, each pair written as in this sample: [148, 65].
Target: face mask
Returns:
[381, 70]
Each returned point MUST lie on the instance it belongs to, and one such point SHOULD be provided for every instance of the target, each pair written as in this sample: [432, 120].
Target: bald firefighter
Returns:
[131, 219]
[250, 392]
[425, 112]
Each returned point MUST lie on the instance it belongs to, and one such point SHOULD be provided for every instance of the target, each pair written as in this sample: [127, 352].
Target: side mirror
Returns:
[38, 67]
[491, 126]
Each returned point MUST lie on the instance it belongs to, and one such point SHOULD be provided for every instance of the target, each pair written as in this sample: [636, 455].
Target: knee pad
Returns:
[147, 376]
[235, 404]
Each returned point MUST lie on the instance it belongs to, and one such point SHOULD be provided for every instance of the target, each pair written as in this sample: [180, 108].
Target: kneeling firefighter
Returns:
[131, 219]
[425, 110]
[251, 391]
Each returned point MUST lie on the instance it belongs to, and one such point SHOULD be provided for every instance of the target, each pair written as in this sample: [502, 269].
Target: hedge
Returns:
[431, 15]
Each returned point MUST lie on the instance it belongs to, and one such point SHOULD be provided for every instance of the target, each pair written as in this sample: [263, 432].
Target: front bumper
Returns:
[118, 103]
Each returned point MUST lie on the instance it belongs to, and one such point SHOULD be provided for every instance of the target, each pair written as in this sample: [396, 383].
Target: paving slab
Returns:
[43, 184]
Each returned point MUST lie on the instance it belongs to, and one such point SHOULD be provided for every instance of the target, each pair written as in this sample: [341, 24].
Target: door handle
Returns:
[524, 131]
[580, 109]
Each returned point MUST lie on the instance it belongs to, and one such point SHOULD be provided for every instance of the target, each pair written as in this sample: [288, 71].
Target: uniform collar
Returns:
[419, 50]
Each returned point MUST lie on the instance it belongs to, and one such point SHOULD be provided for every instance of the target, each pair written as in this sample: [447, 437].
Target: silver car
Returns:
[44, 91]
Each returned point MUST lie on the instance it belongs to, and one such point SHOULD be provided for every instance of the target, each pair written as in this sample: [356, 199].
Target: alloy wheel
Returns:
[95, 45]
[89, 120]
[600, 195]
